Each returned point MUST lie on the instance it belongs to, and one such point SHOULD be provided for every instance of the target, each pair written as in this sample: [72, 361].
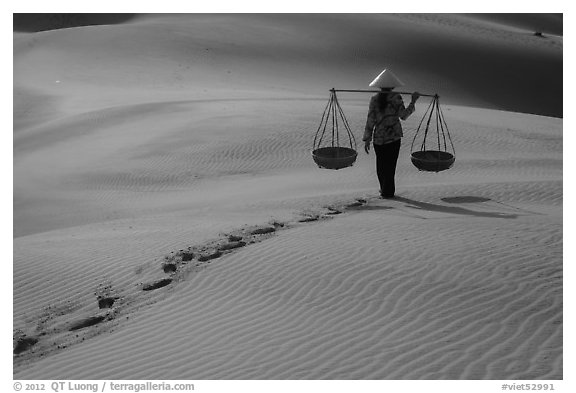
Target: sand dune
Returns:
[301, 54]
[139, 143]
[455, 301]
[40, 22]
[545, 23]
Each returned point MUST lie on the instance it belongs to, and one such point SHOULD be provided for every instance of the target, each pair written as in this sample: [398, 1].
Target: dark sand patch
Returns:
[309, 219]
[157, 284]
[231, 245]
[24, 344]
[169, 268]
[106, 302]
[263, 231]
[207, 257]
[90, 321]
[357, 203]
[187, 256]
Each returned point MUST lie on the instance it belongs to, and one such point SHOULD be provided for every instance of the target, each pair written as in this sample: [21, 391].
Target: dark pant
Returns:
[386, 159]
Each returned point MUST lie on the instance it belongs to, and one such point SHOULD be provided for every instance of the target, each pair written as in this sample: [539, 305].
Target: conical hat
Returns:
[386, 79]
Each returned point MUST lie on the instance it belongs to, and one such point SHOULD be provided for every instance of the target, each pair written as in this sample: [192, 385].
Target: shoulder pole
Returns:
[378, 91]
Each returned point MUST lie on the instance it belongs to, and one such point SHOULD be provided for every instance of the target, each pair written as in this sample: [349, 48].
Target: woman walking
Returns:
[384, 130]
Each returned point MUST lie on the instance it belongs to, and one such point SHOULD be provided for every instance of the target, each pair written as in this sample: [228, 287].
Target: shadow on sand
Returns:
[466, 199]
[425, 206]
[454, 209]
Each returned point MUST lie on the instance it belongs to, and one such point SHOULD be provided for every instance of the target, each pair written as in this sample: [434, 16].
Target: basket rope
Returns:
[351, 138]
[442, 132]
[334, 114]
[443, 121]
[322, 122]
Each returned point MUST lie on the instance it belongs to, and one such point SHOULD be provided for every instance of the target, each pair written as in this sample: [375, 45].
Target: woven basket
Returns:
[334, 157]
[432, 160]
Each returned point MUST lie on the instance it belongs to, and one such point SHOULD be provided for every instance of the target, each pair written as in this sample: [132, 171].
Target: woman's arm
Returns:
[404, 112]
[370, 121]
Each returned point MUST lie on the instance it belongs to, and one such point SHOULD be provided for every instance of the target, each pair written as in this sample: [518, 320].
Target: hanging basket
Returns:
[432, 160]
[440, 157]
[327, 152]
[334, 157]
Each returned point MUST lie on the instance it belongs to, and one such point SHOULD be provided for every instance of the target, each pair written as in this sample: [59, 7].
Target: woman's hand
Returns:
[367, 147]
[415, 96]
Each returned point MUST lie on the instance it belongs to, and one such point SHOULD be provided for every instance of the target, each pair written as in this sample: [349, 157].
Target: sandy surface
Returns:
[138, 143]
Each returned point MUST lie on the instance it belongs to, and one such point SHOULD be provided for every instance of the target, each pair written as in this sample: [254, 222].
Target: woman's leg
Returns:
[381, 166]
[388, 159]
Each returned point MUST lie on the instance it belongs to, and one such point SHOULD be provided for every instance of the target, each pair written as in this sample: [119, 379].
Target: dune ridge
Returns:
[195, 54]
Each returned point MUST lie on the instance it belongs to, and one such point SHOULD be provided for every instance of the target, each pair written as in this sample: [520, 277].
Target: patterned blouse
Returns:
[384, 127]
